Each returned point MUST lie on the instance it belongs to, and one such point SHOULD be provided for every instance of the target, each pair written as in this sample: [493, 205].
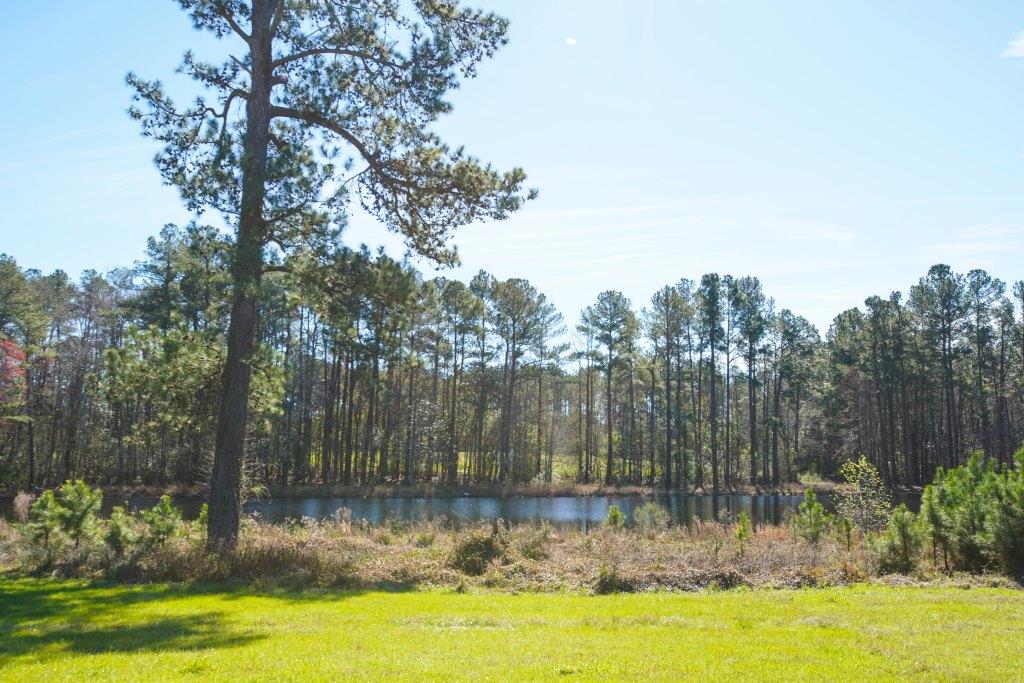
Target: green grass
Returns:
[79, 631]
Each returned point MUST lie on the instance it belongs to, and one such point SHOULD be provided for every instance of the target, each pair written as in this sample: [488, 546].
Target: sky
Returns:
[835, 150]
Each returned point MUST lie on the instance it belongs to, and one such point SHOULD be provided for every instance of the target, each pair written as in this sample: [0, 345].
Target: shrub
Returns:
[69, 513]
[901, 542]
[78, 505]
[424, 539]
[933, 519]
[810, 520]
[44, 519]
[201, 522]
[162, 521]
[955, 507]
[532, 544]
[1005, 523]
[610, 581]
[120, 532]
[382, 536]
[744, 530]
[474, 551]
[615, 519]
[651, 517]
[865, 499]
[843, 530]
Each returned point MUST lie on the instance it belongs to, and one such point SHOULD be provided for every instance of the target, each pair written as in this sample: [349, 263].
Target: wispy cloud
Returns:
[815, 231]
[601, 211]
[1015, 49]
[980, 231]
[978, 243]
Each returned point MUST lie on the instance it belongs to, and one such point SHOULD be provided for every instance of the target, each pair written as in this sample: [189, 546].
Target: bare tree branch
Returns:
[228, 17]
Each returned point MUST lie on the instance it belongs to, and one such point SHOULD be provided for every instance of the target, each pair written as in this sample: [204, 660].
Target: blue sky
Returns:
[835, 150]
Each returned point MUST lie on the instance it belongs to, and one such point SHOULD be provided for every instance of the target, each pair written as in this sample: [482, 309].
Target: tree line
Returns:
[394, 378]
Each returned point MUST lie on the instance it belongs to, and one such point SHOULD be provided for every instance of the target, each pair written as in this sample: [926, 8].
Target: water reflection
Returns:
[583, 511]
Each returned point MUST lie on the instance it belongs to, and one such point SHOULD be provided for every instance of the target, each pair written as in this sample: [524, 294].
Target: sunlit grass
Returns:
[77, 631]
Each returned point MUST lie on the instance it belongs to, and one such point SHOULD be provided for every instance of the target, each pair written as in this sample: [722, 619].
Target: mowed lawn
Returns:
[83, 632]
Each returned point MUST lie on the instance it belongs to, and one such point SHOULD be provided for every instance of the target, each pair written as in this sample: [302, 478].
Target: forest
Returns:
[386, 376]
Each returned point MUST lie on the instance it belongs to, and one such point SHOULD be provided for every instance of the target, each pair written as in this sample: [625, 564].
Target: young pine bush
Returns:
[199, 525]
[44, 519]
[955, 507]
[810, 521]
[615, 519]
[744, 530]
[77, 508]
[901, 542]
[650, 517]
[120, 533]
[842, 529]
[1005, 522]
[935, 521]
[162, 521]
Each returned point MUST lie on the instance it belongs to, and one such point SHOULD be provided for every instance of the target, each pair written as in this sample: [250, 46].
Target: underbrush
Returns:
[443, 554]
[968, 532]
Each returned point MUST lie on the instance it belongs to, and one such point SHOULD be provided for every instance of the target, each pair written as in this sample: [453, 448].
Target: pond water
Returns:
[582, 511]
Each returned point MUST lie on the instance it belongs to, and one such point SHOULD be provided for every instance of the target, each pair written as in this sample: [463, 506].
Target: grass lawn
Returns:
[78, 631]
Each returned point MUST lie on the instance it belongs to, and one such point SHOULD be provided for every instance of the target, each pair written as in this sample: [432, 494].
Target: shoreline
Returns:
[379, 491]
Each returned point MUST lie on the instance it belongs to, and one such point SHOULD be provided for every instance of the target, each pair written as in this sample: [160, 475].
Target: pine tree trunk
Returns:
[246, 271]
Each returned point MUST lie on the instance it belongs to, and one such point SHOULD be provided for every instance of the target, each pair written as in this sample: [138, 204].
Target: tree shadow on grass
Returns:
[49, 619]
[203, 631]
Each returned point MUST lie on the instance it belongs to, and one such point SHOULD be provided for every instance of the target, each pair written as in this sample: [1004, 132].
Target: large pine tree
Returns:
[320, 99]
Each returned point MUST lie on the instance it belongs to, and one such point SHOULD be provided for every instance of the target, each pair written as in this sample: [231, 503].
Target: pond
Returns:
[582, 511]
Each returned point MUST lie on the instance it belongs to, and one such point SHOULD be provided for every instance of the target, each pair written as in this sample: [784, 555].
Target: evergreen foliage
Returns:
[393, 378]
[651, 517]
[615, 519]
[810, 521]
[901, 541]
[974, 514]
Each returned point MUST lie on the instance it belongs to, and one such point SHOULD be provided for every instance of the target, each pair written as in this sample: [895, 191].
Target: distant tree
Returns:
[610, 321]
[751, 326]
[711, 311]
[982, 293]
[462, 310]
[665, 326]
[518, 311]
[939, 300]
[17, 304]
[548, 353]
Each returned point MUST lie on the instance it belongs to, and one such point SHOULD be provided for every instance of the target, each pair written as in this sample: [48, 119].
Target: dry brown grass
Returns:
[20, 506]
[429, 554]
